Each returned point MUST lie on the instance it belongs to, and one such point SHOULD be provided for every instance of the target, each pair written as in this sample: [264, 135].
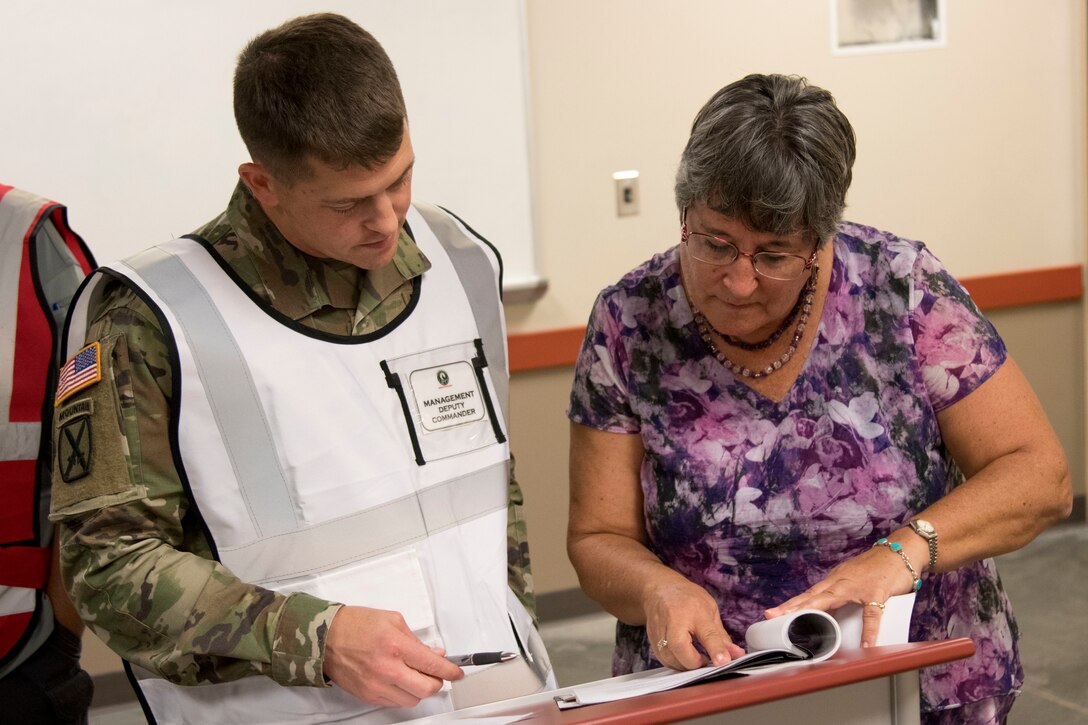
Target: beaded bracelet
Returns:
[898, 549]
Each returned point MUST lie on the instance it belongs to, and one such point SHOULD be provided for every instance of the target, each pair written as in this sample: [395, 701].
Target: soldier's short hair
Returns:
[318, 86]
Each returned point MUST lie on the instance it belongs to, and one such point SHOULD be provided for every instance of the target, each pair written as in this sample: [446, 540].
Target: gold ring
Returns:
[662, 644]
[875, 604]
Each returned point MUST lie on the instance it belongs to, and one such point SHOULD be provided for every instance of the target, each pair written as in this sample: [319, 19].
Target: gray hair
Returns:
[773, 152]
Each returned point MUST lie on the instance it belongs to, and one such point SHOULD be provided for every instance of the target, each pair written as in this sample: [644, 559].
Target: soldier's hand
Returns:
[372, 654]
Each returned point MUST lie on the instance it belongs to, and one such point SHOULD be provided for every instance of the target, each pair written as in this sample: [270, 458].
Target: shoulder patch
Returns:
[74, 449]
[84, 406]
[83, 370]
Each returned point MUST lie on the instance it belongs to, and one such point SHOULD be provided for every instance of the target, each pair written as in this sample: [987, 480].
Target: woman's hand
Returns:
[606, 541]
[868, 579]
[679, 615]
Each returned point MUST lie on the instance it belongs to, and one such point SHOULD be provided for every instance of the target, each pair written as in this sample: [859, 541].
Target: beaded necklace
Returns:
[808, 293]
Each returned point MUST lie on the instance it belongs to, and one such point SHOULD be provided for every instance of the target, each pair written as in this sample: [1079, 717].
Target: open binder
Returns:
[800, 638]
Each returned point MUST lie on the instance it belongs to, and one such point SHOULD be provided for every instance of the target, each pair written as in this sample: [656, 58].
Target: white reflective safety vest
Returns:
[368, 470]
[42, 262]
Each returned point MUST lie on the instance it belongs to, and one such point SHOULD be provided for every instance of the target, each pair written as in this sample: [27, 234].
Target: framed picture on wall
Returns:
[876, 26]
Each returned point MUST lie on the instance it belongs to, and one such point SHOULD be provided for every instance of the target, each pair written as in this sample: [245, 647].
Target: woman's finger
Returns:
[871, 614]
[685, 655]
[719, 647]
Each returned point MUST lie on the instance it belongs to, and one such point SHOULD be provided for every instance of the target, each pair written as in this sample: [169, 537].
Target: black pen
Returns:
[481, 658]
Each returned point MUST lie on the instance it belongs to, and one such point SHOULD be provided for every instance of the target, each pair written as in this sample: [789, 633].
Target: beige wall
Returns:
[1047, 341]
[976, 149]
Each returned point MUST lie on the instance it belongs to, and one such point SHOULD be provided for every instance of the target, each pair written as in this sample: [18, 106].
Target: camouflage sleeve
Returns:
[133, 555]
[519, 570]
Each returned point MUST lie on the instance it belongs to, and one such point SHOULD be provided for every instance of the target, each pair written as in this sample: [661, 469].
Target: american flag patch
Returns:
[83, 370]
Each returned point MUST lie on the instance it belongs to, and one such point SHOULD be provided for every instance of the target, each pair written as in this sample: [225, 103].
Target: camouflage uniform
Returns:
[135, 559]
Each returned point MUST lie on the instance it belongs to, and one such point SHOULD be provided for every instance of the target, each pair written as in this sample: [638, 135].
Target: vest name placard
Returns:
[447, 395]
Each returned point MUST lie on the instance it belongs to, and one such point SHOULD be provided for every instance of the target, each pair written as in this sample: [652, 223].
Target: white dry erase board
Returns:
[121, 110]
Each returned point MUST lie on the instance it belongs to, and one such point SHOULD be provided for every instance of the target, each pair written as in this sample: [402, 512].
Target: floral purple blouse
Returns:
[756, 500]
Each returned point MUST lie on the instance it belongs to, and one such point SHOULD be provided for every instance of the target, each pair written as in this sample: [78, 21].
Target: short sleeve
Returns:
[599, 396]
[957, 348]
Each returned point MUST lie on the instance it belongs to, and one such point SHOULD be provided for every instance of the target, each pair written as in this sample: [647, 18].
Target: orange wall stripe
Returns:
[555, 348]
[547, 349]
[1014, 289]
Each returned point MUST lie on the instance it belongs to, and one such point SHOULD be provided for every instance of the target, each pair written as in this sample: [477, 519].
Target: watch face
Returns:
[922, 527]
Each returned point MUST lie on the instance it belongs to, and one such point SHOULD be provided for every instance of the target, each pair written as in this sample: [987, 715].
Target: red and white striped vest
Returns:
[42, 262]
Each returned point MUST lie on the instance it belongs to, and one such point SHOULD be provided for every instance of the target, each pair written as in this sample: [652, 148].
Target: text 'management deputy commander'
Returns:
[758, 406]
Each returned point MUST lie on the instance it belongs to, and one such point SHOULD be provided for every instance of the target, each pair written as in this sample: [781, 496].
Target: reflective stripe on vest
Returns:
[299, 460]
[472, 263]
[41, 264]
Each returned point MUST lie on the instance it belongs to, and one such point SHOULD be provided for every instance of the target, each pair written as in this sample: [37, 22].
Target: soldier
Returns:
[295, 479]
[42, 262]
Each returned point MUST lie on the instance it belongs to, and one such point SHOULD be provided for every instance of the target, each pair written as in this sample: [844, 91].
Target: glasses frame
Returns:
[685, 235]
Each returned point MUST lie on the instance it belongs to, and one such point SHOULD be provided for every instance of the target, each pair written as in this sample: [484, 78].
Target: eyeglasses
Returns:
[781, 266]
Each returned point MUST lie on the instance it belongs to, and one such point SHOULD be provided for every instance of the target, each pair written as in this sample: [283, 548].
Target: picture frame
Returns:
[881, 26]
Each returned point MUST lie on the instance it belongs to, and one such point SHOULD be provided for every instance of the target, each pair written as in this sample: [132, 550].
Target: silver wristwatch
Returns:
[925, 529]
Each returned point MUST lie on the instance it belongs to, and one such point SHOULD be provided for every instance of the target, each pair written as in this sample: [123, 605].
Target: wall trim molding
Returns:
[1029, 287]
[545, 349]
[559, 347]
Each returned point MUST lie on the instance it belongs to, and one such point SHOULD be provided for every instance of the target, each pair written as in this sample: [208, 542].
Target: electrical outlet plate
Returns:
[626, 192]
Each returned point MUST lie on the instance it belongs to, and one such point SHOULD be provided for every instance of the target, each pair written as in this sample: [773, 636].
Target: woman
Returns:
[761, 413]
